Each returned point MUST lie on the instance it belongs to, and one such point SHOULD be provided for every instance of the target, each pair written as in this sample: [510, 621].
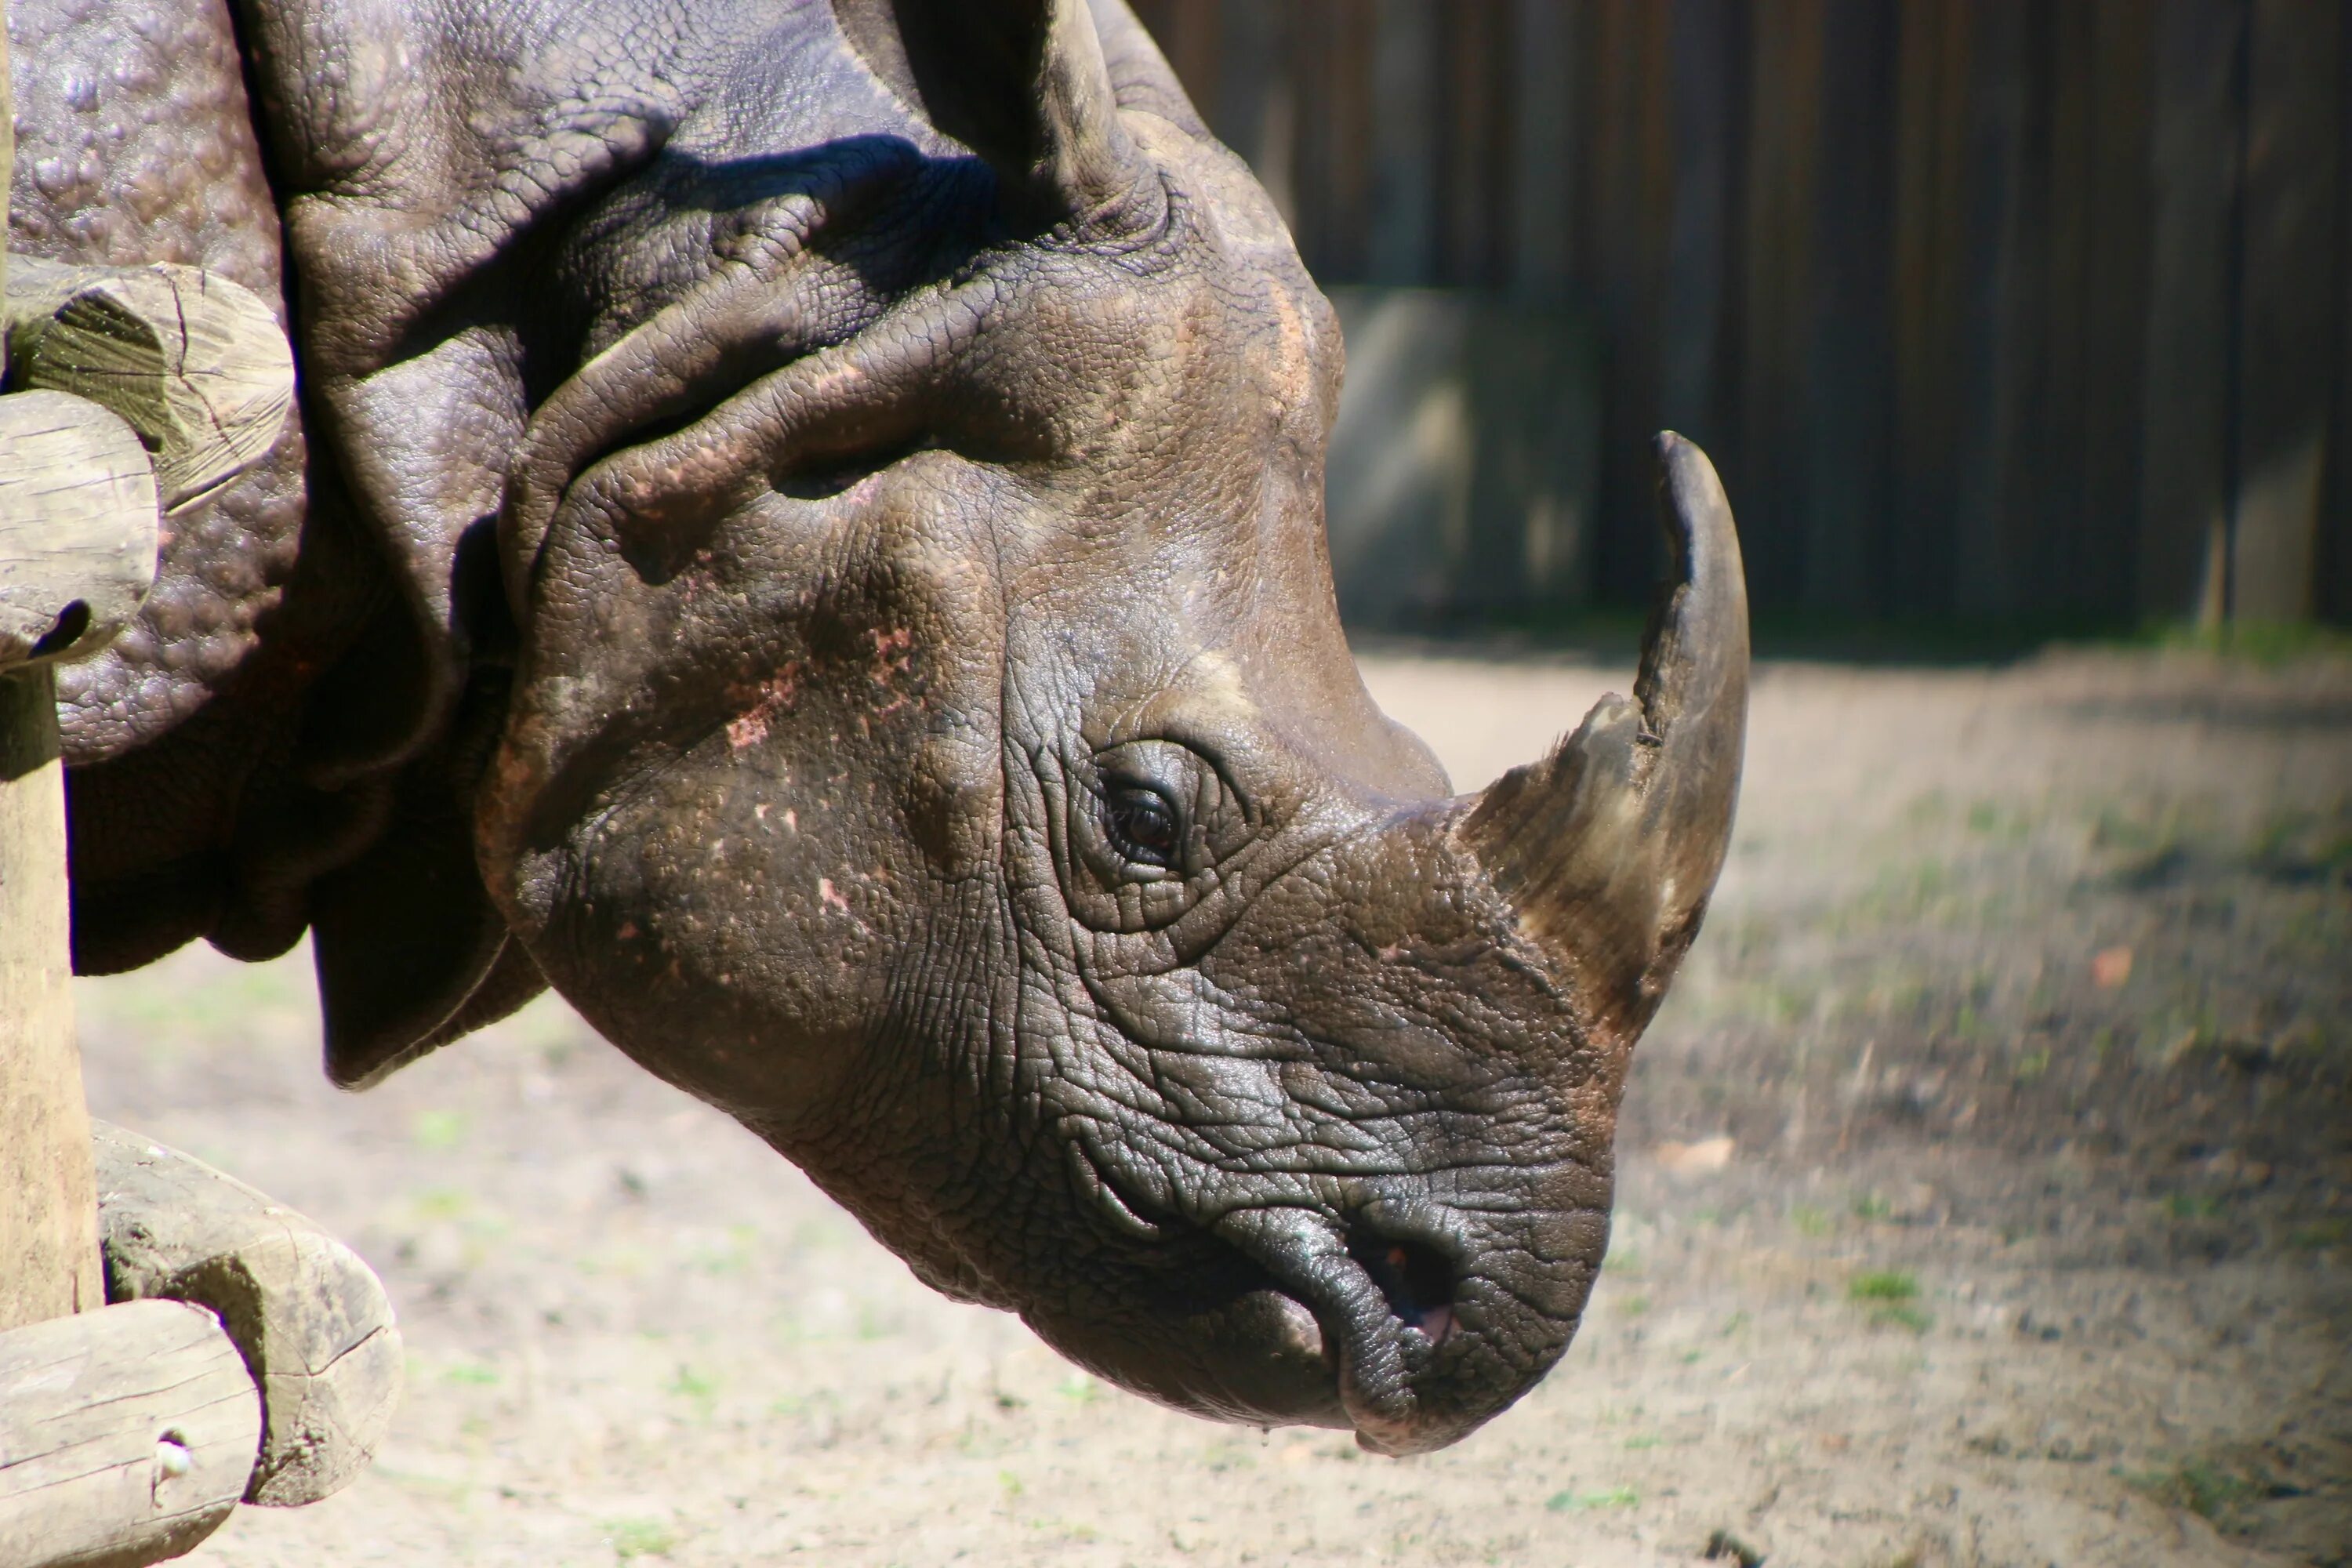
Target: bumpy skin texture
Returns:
[191, 815]
[828, 499]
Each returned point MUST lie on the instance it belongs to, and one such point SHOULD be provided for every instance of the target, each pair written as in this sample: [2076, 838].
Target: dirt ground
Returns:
[1987, 1199]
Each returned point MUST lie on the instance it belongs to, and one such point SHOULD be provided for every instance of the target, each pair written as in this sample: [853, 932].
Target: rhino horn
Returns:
[1608, 850]
[1023, 84]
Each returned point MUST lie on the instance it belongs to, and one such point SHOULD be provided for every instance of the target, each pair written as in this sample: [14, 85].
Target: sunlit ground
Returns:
[1986, 1193]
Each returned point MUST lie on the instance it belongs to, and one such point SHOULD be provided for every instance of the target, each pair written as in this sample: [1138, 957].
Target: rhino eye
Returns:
[1140, 824]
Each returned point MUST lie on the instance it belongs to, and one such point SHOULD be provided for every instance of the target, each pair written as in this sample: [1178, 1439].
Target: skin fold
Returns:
[805, 533]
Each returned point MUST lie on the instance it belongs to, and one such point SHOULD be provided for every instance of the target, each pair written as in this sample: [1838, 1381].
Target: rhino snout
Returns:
[1431, 1321]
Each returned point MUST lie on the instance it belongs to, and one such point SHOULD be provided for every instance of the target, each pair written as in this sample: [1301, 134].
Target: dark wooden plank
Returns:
[2185, 408]
[1352, 106]
[1848, 427]
[1544, 147]
[1628, 87]
[1784, 139]
[2048, 555]
[1256, 109]
[2334, 591]
[1699, 326]
[1330, 61]
[1932, 75]
[1188, 34]
[1407, 47]
[2115, 307]
[2003, 248]
[2290, 324]
[1464, 97]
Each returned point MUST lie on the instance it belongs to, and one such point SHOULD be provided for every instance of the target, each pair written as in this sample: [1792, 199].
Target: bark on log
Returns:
[78, 526]
[48, 1212]
[197, 364]
[126, 1435]
[311, 1317]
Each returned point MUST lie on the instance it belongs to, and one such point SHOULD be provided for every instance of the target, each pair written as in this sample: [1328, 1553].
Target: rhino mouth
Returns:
[1378, 1320]
[1386, 1312]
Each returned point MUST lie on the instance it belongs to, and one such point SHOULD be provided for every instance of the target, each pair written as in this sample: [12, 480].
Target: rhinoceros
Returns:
[804, 531]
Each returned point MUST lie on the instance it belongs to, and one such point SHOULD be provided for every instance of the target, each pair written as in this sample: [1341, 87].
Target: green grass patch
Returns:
[634, 1538]
[442, 1203]
[1901, 1315]
[1892, 1297]
[1883, 1284]
[2266, 643]
[2319, 1235]
[692, 1385]
[437, 1130]
[2202, 1488]
[1573, 1501]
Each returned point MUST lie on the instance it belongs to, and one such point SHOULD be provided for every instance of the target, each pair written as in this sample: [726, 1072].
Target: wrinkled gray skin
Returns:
[810, 540]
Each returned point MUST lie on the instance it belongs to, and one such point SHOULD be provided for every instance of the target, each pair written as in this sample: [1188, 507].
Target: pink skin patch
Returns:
[771, 697]
[1437, 1324]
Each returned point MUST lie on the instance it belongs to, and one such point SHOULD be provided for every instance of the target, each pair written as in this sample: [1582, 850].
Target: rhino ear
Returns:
[1020, 82]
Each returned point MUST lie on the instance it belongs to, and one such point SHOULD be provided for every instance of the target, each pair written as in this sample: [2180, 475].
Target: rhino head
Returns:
[934, 743]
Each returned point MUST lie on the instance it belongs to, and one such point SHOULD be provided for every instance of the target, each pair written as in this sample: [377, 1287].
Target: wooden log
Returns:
[312, 1320]
[197, 364]
[126, 1435]
[78, 526]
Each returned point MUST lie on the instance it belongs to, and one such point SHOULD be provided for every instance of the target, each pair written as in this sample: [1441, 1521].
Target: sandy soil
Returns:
[1987, 1199]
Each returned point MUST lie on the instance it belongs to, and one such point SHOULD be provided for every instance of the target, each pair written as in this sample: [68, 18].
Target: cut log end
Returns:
[126, 1435]
[197, 364]
[78, 528]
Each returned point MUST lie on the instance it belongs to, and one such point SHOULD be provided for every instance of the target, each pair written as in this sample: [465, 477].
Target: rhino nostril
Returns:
[1416, 1278]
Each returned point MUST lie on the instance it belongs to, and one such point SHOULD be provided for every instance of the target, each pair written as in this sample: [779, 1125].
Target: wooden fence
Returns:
[1986, 309]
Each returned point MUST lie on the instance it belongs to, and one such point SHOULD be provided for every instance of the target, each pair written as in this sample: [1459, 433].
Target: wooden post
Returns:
[205, 378]
[49, 1204]
[77, 524]
[48, 1207]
